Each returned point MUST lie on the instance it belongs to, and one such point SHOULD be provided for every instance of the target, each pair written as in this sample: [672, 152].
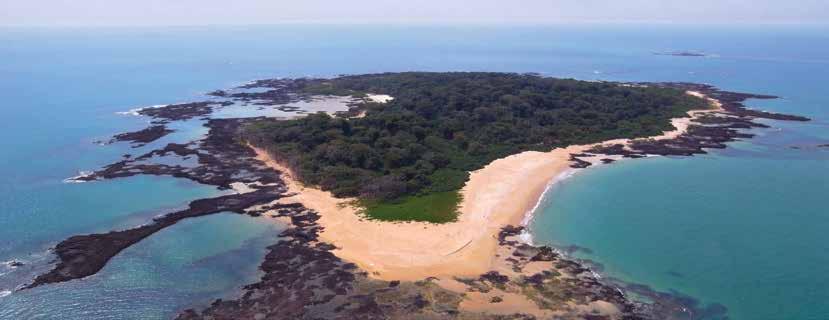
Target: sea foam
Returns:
[135, 112]
[526, 236]
[76, 179]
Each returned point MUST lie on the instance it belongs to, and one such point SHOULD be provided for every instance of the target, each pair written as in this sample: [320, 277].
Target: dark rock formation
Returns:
[218, 93]
[732, 102]
[578, 163]
[222, 160]
[178, 112]
[143, 136]
[304, 280]
[709, 131]
[82, 256]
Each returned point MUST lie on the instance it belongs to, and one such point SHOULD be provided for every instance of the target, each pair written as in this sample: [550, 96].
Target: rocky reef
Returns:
[142, 137]
[711, 130]
[84, 255]
[179, 112]
[222, 160]
[304, 280]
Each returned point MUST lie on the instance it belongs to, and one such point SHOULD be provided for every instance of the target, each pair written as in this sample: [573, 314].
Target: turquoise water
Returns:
[742, 227]
[196, 260]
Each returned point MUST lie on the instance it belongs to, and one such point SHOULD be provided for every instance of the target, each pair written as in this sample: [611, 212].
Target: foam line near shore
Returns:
[526, 236]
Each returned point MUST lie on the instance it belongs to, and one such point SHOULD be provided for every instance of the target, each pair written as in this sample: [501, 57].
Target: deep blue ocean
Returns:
[746, 227]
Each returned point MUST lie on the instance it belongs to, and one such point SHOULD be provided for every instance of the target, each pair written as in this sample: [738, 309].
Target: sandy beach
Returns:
[502, 193]
[497, 195]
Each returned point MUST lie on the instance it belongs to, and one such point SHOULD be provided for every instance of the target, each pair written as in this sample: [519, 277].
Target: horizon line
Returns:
[432, 23]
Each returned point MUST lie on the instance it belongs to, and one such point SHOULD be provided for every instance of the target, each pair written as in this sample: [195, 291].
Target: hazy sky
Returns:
[213, 12]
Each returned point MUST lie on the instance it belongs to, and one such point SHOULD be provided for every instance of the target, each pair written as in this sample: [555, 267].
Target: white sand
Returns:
[379, 98]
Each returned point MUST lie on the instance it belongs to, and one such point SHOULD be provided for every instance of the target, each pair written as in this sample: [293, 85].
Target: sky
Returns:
[245, 12]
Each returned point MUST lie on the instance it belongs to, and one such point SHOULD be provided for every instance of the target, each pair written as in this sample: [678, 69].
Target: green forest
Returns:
[406, 159]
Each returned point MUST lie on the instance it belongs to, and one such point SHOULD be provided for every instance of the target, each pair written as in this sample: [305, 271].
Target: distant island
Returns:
[405, 195]
[681, 54]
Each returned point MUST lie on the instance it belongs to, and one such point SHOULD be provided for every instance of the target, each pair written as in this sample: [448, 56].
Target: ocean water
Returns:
[741, 227]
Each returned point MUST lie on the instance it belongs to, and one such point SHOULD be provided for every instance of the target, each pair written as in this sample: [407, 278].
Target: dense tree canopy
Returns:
[440, 126]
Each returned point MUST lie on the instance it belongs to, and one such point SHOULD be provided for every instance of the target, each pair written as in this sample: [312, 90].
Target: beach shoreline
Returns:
[505, 192]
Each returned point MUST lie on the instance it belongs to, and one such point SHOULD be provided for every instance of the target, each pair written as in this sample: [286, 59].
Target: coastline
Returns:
[480, 265]
[505, 192]
[680, 126]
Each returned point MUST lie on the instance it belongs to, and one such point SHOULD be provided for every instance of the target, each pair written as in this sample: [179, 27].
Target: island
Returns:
[681, 54]
[410, 201]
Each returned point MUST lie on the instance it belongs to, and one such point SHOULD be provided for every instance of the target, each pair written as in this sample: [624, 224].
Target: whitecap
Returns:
[10, 263]
[135, 112]
[5, 293]
[76, 179]
[525, 236]
[528, 216]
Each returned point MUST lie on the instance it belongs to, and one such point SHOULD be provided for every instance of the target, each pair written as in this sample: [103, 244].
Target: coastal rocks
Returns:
[709, 131]
[178, 112]
[557, 287]
[221, 158]
[578, 163]
[304, 280]
[218, 93]
[673, 305]
[85, 255]
[279, 91]
[142, 137]
[732, 102]
[568, 287]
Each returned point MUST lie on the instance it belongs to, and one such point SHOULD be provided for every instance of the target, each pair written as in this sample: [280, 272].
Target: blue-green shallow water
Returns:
[194, 260]
[60, 90]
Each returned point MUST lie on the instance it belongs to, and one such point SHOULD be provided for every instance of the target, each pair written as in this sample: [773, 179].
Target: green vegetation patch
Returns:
[438, 207]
